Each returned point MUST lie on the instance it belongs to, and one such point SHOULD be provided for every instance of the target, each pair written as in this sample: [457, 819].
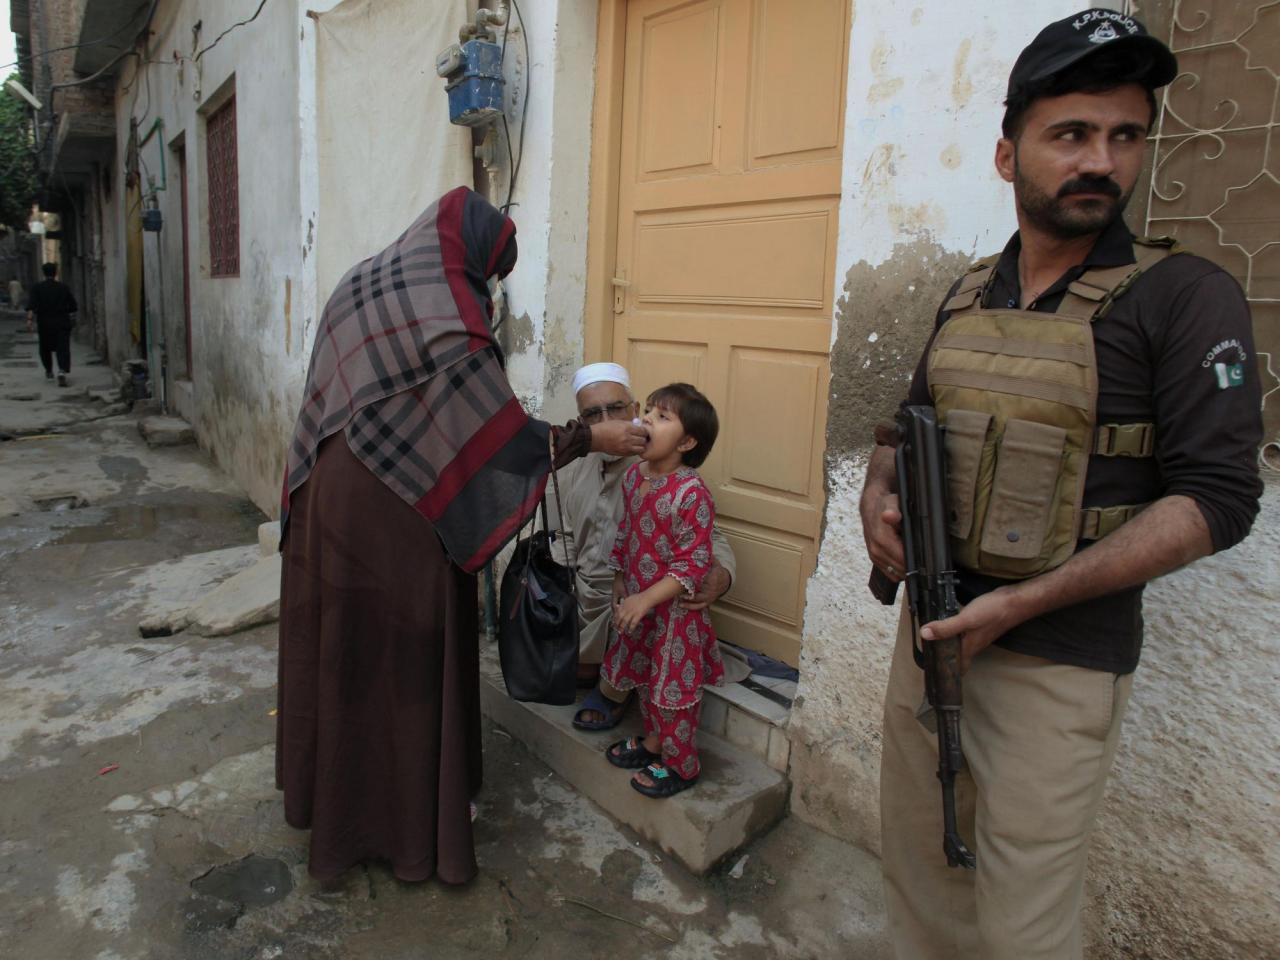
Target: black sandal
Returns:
[631, 754]
[666, 782]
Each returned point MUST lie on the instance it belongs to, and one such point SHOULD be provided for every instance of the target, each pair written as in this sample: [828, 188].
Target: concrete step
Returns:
[748, 720]
[165, 431]
[737, 798]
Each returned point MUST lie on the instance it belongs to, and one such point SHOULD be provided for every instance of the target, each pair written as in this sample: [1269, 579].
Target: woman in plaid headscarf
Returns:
[411, 464]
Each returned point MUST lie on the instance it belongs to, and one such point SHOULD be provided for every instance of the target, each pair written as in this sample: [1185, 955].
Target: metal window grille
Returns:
[1215, 182]
[224, 192]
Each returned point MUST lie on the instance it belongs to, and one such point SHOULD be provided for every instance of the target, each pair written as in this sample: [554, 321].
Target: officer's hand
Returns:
[882, 531]
[714, 584]
[979, 624]
[621, 438]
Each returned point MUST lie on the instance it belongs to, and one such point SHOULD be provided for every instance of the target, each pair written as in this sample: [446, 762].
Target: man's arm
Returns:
[1169, 534]
[724, 567]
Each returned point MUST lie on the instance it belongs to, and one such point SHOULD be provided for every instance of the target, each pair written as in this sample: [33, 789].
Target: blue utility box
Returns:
[473, 72]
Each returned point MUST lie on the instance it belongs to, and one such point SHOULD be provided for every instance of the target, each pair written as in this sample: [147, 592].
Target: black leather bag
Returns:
[538, 619]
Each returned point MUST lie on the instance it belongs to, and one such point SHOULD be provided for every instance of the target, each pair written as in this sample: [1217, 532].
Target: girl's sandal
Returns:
[630, 754]
[666, 782]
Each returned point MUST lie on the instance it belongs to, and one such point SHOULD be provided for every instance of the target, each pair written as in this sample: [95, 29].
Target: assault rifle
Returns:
[931, 593]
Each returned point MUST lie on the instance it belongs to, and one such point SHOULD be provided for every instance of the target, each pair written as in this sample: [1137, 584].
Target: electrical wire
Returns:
[114, 60]
[76, 46]
[204, 50]
[524, 110]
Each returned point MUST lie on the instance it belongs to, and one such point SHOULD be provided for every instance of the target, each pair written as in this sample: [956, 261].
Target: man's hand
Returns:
[619, 438]
[713, 587]
[881, 518]
[980, 623]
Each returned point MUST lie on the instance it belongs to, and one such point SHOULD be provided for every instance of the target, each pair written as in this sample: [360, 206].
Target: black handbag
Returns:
[538, 618]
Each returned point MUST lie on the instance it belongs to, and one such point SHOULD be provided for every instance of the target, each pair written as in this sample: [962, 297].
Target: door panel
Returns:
[729, 185]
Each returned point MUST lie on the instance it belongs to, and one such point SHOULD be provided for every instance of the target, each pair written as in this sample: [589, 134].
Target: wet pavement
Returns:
[140, 819]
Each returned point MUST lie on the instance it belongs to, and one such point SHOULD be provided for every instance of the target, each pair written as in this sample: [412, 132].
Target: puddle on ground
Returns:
[194, 517]
[123, 469]
[252, 882]
[61, 503]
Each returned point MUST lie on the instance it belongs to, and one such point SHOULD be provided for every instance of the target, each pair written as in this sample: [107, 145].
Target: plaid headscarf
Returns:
[405, 363]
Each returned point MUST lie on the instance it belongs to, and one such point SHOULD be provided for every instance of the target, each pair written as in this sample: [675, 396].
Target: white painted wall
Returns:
[1185, 848]
[547, 289]
[246, 351]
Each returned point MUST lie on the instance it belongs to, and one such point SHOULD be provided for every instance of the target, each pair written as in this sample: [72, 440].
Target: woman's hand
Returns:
[619, 438]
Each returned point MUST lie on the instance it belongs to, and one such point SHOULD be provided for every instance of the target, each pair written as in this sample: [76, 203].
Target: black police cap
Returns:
[1066, 42]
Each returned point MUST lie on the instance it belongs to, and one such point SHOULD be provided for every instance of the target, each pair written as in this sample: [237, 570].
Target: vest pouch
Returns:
[1023, 498]
[971, 461]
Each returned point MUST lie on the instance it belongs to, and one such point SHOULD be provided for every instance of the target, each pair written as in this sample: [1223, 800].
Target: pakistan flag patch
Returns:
[1229, 374]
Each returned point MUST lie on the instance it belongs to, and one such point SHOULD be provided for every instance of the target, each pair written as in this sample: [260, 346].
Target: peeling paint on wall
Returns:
[961, 84]
[884, 318]
[517, 334]
[884, 86]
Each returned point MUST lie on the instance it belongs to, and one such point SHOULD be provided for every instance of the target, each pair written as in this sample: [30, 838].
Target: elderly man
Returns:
[593, 509]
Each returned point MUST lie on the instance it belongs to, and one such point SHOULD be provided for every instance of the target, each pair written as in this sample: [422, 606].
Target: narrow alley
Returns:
[140, 817]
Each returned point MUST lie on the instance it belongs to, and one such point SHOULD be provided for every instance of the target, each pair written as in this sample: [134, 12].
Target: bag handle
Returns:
[555, 487]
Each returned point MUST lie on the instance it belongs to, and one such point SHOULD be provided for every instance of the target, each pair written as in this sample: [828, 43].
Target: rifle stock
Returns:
[931, 595]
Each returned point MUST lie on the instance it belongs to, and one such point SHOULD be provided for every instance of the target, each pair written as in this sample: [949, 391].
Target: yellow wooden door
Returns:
[729, 184]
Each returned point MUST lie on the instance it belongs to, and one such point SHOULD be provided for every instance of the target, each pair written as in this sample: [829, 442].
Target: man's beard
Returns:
[1055, 216]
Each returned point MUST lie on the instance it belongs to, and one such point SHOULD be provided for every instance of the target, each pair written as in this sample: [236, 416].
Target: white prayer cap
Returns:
[601, 373]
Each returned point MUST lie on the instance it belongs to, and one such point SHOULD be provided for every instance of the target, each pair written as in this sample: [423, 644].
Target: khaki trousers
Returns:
[1038, 739]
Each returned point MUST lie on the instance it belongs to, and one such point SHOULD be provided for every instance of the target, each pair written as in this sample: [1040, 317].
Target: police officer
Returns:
[1103, 417]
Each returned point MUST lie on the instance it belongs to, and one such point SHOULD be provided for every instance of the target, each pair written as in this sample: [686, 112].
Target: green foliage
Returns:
[17, 162]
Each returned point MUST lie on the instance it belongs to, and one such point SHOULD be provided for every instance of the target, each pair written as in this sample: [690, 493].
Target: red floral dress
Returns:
[666, 532]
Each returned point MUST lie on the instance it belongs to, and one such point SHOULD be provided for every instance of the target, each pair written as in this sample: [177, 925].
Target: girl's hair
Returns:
[697, 416]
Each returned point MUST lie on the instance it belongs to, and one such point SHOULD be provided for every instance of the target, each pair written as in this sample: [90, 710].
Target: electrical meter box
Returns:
[152, 220]
[473, 72]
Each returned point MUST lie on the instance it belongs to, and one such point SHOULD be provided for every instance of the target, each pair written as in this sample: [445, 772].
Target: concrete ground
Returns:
[140, 820]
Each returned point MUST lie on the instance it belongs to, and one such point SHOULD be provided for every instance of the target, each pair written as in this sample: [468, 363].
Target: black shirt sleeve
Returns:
[1207, 428]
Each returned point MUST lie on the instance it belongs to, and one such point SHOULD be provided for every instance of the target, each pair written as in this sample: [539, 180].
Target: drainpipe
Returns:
[162, 388]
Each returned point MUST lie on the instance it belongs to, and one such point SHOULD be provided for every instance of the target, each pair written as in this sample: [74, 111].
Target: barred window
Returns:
[224, 192]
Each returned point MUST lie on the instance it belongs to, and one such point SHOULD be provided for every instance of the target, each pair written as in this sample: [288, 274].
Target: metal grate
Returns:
[1215, 180]
[224, 192]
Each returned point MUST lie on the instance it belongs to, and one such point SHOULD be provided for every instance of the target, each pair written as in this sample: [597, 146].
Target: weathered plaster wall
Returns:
[1183, 851]
[547, 289]
[246, 356]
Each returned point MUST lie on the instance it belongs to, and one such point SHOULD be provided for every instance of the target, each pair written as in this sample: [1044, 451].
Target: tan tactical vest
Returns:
[1017, 391]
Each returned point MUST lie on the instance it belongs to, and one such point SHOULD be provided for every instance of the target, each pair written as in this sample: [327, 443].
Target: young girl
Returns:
[661, 553]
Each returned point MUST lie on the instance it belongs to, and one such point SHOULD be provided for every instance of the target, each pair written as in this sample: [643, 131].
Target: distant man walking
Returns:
[51, 309]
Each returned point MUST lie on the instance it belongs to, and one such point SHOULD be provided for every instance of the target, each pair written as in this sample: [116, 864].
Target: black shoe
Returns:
[62, 379]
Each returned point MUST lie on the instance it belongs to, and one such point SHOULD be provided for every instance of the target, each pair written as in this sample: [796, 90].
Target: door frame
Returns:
[606, 166]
